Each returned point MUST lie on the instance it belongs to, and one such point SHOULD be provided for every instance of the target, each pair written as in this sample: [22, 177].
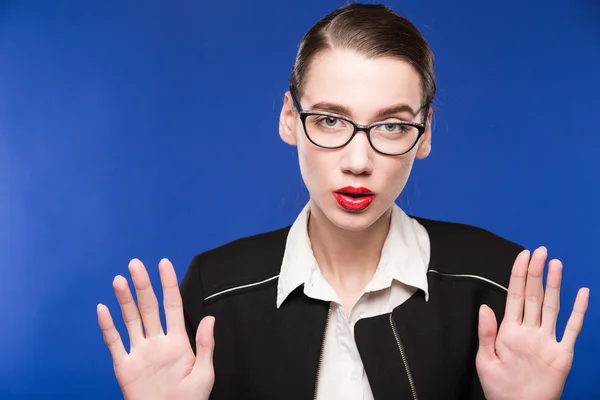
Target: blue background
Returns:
[149, 129]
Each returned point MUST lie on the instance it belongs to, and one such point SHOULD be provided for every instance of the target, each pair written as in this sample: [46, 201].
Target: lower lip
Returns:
[354, 203]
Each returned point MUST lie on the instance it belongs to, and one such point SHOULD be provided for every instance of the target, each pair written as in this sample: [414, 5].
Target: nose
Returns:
[357, 155]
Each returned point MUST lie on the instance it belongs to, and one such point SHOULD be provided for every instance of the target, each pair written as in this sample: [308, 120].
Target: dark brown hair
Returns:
[374, 30]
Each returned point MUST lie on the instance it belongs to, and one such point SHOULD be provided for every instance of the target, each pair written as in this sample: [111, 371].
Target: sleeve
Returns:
[192, 295]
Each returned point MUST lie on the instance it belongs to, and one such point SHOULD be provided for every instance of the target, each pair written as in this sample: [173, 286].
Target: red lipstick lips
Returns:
[354, 198]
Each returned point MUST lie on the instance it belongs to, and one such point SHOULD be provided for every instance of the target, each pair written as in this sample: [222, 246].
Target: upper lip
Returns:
[354, 190]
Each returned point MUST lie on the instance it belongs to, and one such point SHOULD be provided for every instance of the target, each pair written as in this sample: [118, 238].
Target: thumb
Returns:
[488, 330]
[205, 344]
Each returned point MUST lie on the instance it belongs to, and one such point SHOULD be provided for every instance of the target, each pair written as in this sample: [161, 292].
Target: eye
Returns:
[328, 121]
[391, 127]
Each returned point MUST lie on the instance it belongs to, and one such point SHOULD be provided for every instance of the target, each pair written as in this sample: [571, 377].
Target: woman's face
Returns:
[346, 83]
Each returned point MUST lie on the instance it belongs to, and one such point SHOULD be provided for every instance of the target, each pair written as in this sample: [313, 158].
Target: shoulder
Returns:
[462, 249]
[245, 261]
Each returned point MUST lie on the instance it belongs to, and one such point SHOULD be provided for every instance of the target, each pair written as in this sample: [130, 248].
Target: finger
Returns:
[147, 302]
[111, 335]
[172, 298]
[205, 341]
[205, 346]
[516, 289]
[488, 330]
[534, 288]
[129, 310]
[552, 298]
[575, 322]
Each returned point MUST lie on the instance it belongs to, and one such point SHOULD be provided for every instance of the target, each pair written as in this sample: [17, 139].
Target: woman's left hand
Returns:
[523, 359]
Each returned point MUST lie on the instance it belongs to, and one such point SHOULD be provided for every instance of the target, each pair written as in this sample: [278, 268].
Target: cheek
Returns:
[313, 164]
[395, 174]
[308, 161]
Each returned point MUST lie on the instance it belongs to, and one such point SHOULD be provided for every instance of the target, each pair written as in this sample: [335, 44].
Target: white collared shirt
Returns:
[401, 271]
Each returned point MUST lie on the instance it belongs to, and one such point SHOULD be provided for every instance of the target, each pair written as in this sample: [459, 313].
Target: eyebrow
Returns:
[381, 114]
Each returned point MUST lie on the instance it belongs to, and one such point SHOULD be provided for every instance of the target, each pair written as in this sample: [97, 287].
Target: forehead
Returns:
[363, 85]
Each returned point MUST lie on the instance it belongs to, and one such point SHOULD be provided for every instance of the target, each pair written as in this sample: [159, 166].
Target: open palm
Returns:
[523, 359]
[159, 365]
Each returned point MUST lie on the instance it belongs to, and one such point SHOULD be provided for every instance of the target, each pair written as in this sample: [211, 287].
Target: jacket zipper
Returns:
[403, 354]
[322, 350]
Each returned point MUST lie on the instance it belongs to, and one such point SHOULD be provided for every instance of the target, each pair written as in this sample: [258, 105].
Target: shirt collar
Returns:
[404, 257]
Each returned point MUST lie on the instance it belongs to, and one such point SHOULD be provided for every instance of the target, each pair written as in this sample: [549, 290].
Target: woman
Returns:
[355, 300]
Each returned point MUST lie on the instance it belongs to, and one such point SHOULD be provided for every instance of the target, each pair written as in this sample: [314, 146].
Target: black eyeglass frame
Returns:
[359, 128]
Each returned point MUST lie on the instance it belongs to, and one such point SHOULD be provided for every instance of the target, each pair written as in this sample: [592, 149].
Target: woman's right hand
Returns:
[158, 366]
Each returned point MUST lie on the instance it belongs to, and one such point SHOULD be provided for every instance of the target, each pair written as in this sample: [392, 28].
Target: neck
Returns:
[347, 259]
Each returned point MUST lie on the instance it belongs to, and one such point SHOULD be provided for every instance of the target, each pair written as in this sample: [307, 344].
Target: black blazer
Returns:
[423, 350]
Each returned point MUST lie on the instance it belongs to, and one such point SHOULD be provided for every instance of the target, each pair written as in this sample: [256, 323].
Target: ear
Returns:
[425, 143]
[287, 120]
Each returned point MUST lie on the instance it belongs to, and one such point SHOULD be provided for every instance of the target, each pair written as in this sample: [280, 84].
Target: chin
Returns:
[354, 221]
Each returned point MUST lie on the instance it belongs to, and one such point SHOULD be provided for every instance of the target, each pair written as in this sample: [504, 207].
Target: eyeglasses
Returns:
[332, 131]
